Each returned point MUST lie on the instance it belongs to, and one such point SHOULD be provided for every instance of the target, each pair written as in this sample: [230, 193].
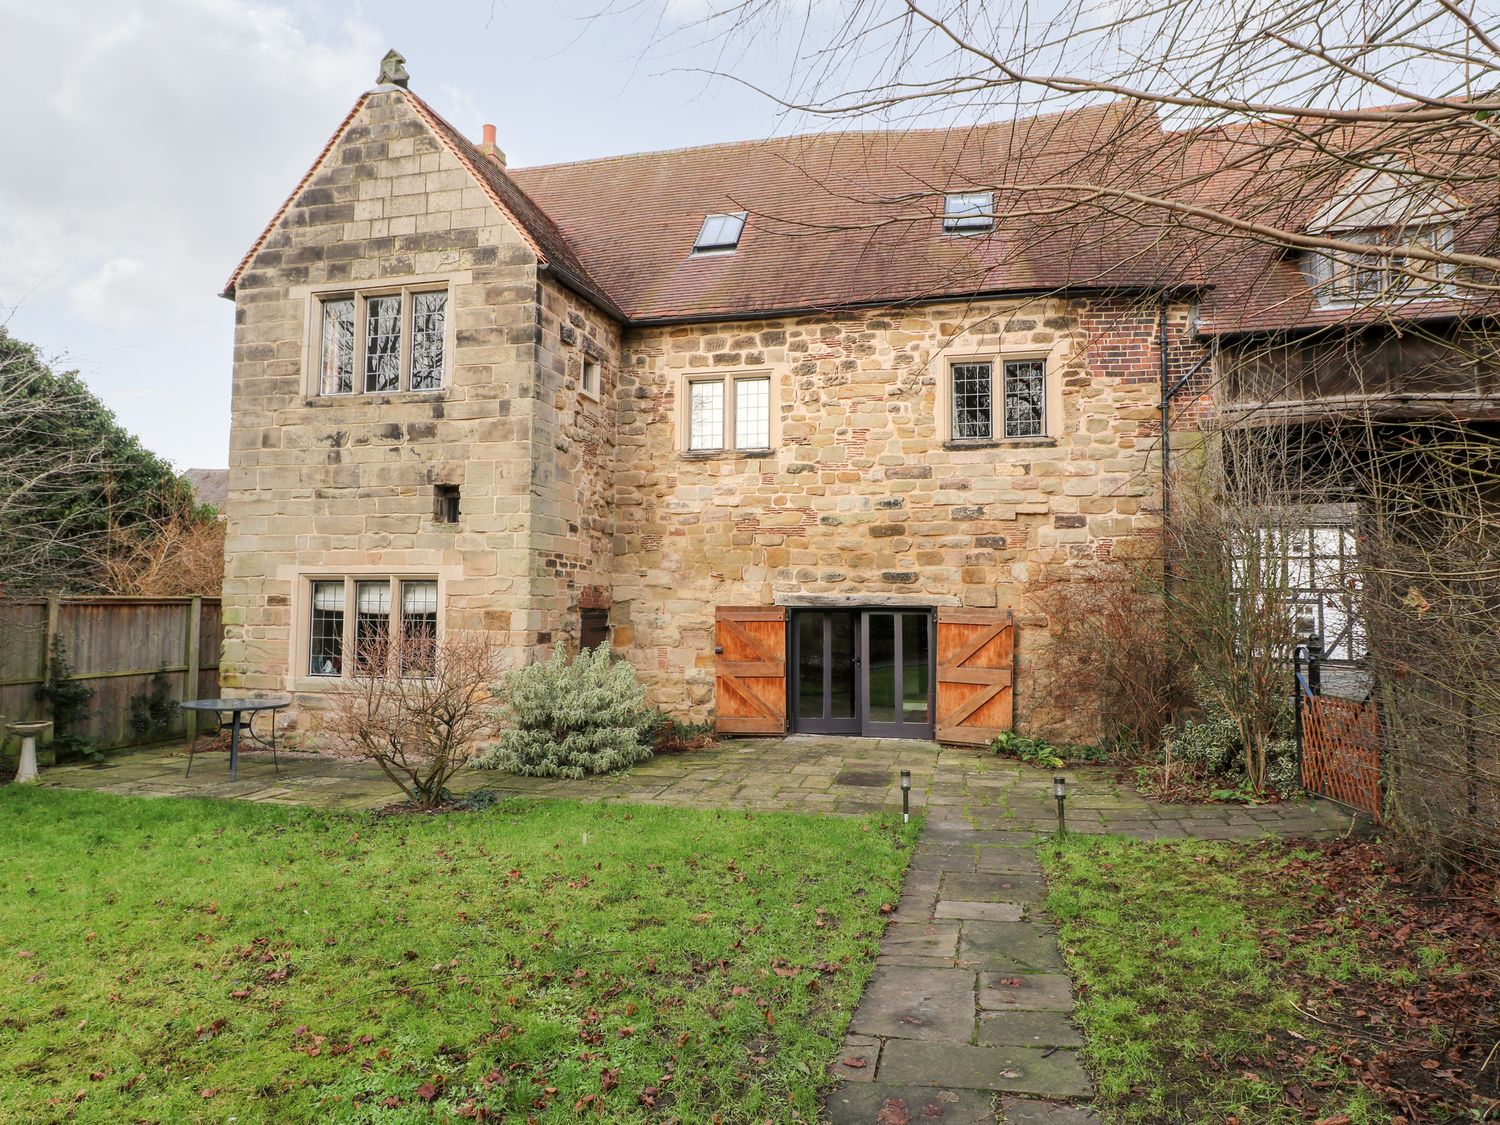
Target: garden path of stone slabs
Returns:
[967, 1016]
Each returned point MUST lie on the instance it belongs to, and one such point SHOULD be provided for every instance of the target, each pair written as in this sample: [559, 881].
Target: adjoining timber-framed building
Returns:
[796, 432]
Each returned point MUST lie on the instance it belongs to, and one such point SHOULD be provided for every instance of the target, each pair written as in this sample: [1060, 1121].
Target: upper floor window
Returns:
[1349, 278]
[729, 412]
[1021, 393]
[382, 343]
[720, 234]
[968, 212]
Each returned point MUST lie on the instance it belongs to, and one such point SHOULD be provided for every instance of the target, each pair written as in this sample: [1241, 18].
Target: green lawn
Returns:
[178, 960]
[1179, 1003]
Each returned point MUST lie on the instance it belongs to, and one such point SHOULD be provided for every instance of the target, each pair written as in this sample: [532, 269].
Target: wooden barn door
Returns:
[975, 663]
[750, 670]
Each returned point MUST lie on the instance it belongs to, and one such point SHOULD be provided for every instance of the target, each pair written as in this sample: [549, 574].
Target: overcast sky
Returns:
[149, 141]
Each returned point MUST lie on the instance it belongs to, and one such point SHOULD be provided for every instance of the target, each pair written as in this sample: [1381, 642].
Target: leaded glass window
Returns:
[752, 413]
[1025, 398]
[372, 619]
[418, 625]
[383, 343]
[326, 652]
[428, 312]
[338, 347]
[972, 407]
[706, 415]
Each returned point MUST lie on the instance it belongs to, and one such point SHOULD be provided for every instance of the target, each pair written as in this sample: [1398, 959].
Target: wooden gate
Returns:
[975, 664]
[750, 670]
[1341, 750]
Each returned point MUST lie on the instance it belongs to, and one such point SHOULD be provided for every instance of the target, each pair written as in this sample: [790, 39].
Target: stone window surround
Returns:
[302, 579]
[727, 376]
[312, 331]
[596, 361]
[998, 356]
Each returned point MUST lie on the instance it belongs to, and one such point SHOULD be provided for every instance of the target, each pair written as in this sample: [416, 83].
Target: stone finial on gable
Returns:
[393, 70]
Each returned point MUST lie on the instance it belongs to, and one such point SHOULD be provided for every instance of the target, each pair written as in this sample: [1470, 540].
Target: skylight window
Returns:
[968, 212]
[720, 233]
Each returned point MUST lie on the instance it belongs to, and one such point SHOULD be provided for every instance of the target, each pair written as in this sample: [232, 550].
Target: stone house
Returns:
[788, 424]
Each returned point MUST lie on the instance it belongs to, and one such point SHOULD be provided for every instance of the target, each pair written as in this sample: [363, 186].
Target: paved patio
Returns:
[842, 776]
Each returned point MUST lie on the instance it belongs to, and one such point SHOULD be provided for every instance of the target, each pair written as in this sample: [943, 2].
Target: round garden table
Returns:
[236, 708]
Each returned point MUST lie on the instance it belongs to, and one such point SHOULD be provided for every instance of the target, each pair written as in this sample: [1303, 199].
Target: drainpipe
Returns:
[1166, 433]
[1169, 391]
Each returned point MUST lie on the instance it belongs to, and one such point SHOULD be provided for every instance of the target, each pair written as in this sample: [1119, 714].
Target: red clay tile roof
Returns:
[849, 218]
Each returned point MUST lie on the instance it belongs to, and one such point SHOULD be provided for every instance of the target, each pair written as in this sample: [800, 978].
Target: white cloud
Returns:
[157, 135]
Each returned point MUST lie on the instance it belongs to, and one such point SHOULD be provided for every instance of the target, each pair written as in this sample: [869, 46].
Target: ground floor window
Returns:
[382, 607]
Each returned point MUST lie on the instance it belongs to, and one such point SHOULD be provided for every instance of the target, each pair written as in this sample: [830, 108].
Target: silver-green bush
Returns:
[571, 718]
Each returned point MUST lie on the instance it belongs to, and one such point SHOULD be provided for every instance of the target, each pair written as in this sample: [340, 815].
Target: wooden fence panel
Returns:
[117, 646]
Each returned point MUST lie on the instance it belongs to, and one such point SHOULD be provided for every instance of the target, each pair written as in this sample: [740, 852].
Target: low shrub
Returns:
[572, 718]
[1206, 754]
[668, 735]
[418, 708]
[152, 711]
[1040, 752]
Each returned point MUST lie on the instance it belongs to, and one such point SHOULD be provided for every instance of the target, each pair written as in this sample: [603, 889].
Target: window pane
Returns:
[968, 211]
[720, 232]
[338, 347]
[971, 400]
[383, 343]
[843, 642]
[372, 618]
[428, 312]
[327, 648]
[705, 415]
[914, 668]
[752, 413]
[1025, 398]
[810, 665]
[418, 625]
[881, 699]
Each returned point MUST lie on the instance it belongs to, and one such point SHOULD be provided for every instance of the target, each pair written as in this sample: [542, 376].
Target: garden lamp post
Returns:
[905, 796]
[1060, 791]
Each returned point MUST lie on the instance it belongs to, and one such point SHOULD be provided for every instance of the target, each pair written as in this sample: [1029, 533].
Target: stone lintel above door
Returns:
[865, 601]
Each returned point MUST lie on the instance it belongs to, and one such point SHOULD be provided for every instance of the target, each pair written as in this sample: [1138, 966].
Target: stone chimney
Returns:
[487, 146]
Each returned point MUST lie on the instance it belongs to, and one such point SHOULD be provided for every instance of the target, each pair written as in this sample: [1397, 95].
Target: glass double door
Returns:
[863, 671]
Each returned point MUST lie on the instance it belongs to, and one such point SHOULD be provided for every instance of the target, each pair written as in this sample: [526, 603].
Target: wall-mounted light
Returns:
[905, 796]
[1060, 791]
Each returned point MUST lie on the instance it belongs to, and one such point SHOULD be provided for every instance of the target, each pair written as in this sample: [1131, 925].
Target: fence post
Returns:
[1297, 651]
[190, 678]
[1315, 663]
[49, 636]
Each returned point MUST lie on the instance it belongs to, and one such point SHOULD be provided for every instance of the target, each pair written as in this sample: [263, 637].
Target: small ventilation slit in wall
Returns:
[445, 503]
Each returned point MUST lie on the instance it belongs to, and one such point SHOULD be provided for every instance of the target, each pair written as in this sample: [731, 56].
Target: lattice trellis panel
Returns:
[1341, 752]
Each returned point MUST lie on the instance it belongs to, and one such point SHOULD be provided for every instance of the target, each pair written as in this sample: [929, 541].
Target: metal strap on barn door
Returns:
[1338, 740]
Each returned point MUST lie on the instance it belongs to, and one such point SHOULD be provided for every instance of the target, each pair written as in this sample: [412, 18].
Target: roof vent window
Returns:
[968, 212]
[720, 233]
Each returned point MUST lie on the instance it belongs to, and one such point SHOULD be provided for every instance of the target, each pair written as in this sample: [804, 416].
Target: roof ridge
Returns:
[754, 142]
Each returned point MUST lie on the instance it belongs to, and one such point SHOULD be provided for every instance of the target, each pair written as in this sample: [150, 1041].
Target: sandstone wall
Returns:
[347, 482]
[572, 526]
[863, 495]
